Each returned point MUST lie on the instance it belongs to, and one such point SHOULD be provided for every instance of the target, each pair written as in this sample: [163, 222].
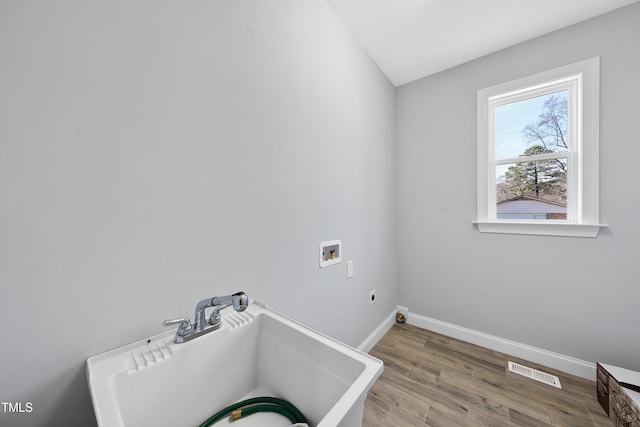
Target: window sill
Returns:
[540, 229]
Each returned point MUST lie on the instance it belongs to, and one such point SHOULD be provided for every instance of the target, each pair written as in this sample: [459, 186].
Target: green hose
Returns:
[258, 404]
[254, 409]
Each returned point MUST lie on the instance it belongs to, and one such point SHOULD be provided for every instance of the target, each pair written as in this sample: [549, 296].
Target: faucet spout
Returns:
[239, 300]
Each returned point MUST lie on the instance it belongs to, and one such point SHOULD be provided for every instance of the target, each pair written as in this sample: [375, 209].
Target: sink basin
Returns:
[257, 352]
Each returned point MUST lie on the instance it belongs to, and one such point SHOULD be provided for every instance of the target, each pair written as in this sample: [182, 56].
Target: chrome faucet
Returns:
[188, 331]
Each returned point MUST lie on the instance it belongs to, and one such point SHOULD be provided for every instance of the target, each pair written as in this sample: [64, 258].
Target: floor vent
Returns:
[543, 377]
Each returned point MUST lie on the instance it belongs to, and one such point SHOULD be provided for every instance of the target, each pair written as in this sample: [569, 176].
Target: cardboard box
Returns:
[618, 391]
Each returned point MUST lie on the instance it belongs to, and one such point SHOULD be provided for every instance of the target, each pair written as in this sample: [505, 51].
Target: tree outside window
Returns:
[545, 180]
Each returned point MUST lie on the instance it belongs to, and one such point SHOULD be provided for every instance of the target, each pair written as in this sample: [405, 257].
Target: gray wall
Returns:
[154, 153]
[577, 297]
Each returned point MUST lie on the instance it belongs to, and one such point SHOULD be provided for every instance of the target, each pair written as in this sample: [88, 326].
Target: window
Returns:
[538, 147]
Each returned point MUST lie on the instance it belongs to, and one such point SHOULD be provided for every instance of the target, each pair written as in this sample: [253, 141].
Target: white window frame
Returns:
[582, 79]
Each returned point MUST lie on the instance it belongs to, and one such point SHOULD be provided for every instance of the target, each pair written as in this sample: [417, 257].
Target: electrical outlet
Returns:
[372, 297]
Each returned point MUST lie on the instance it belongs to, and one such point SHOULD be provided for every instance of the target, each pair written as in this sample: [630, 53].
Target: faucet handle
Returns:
[185, 327]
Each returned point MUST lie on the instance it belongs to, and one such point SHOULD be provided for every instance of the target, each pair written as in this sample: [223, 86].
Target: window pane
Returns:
[531, 126]
[532, 190]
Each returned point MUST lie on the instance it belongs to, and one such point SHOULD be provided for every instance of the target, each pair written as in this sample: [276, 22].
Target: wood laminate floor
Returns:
[433, 380]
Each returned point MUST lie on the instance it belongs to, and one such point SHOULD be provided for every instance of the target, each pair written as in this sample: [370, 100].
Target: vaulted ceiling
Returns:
[411, 39]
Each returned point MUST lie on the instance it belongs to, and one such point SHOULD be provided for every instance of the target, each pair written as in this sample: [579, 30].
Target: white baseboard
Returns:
[557, 361]
[378, 333]
[547, 358]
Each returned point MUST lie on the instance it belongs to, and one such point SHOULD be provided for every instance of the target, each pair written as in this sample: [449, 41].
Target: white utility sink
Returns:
[257, 352]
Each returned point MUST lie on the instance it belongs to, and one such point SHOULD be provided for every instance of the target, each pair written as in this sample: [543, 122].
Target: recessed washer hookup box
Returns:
[618, 391]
